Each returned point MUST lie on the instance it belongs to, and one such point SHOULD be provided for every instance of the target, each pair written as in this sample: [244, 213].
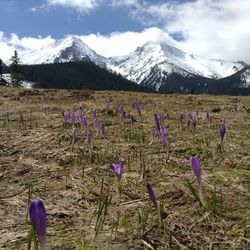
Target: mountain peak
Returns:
[68, 49]
[71, 41]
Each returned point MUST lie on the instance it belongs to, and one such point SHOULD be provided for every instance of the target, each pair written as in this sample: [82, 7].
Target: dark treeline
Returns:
[77, 75]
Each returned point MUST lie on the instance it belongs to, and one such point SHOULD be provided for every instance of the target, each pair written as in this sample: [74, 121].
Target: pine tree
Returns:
[1, 67]
[15, 70]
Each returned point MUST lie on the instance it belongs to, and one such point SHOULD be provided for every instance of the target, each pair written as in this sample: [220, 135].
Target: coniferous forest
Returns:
[77, 75]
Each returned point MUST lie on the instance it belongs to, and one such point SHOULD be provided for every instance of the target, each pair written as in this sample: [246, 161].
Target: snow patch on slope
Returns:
[245, 78]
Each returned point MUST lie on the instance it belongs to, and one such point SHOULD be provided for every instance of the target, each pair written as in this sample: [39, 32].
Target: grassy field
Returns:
[86, 209]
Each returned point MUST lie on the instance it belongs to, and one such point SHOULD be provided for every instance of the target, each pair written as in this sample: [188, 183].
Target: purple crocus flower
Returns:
[73, 134]
[222, 132]
[97, 123]
[190, 116]
[208, 116]
[107, 108]
[180, 117]
[138, 108]
[118, 169]
[152, 195]
[188, 123]
[103, 131]
[164, 138]
[38, 217]
[154, 132]
[122, 116]
[72, 117]
[94, 114]
[81, 107]
[132, 120]
[194, 122]
[157, 123]
[197, 113]
[195, 165]
[85, 122]
[121, 108]
[80, 119]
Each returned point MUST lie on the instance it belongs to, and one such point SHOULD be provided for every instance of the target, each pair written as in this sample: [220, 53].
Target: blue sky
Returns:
[209, 28]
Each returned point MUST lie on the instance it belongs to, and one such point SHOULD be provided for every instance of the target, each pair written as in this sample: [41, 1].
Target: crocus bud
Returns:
[73, 133]
[154, 132]
[132, 120]
[222, 132]
[152, 195]
[190, 116]
[164, 138]
[180, 117]
[157, 123]
[195, 165]
[38, 217]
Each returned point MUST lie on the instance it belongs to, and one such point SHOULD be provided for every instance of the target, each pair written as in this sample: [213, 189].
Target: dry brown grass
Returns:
[37, 153]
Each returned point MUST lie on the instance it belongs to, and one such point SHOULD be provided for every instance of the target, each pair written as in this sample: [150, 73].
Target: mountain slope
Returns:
[154, 62]
[77, 75]
[64, 50]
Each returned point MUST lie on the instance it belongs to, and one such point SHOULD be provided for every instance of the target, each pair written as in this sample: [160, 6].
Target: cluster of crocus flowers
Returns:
[38, 218]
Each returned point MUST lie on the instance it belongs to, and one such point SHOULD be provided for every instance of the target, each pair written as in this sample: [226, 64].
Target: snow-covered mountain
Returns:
[154, 62]
[65, 50]
[156, 65]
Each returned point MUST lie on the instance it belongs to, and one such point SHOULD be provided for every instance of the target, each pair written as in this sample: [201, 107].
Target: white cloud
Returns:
[9, 44]
[210, 28]
[79, 5]
[122, 43]
[126, 3]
